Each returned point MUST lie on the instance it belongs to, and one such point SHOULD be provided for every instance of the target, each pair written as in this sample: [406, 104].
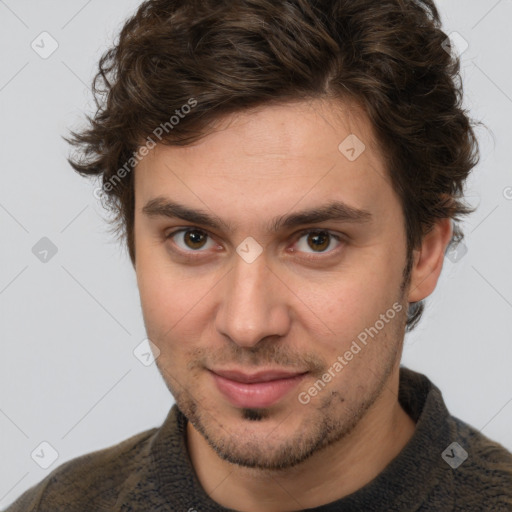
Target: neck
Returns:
[330, 474]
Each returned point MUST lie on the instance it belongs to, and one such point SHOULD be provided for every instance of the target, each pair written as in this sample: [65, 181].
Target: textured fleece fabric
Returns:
[151, 471]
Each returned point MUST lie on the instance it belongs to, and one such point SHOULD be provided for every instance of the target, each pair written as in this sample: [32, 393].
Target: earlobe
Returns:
[428, 260]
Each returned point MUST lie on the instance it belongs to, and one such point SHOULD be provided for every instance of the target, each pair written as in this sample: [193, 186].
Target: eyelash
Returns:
[299, 235]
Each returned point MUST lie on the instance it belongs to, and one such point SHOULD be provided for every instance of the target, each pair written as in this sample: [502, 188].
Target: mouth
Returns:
[256, 390]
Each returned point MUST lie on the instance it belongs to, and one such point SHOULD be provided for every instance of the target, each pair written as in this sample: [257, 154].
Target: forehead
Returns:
[292, 130]
[281, 154]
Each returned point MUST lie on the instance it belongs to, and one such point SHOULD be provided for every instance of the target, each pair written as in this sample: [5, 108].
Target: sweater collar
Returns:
[402, 485]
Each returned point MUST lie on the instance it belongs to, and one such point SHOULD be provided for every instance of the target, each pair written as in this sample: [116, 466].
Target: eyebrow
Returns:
[333, 211]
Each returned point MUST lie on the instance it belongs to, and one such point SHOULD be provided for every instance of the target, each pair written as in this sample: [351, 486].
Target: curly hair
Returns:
[218, 57]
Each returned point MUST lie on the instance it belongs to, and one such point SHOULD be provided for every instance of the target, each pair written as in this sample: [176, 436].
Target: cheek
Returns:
[164, 300]
[350, 303]
[174, 303]
[160, 294]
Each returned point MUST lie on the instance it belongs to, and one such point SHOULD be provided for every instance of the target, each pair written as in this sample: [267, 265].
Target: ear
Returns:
[428, 260]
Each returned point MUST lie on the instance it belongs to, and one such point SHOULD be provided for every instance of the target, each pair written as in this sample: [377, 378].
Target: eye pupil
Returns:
[197, 238]
[320, 240]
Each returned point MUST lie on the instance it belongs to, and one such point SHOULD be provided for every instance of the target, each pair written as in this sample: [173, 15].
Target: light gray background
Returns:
[68, 375]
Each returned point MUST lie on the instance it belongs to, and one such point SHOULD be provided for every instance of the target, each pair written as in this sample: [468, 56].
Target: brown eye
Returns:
[316, 241]
[190, 240]
[195, 239]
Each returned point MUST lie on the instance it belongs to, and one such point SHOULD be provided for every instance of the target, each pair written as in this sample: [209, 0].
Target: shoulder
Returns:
[483, 471]
[91, 479]
[470, 472]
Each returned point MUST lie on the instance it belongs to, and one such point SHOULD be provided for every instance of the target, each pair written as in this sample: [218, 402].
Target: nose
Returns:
[253, 304]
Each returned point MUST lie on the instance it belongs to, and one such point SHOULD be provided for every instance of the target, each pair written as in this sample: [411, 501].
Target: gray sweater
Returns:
[151, 471]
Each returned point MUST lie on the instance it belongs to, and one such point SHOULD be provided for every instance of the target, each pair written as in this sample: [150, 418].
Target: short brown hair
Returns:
[390, 56]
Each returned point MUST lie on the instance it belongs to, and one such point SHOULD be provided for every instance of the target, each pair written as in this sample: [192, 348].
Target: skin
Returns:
[283, 310]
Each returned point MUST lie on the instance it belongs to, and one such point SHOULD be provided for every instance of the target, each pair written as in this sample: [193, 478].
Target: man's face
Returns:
[213, 304]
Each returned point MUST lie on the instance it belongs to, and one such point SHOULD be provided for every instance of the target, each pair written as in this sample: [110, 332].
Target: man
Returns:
[286, 175]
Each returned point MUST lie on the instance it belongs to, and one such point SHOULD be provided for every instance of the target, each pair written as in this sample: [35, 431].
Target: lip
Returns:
[257, 390]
